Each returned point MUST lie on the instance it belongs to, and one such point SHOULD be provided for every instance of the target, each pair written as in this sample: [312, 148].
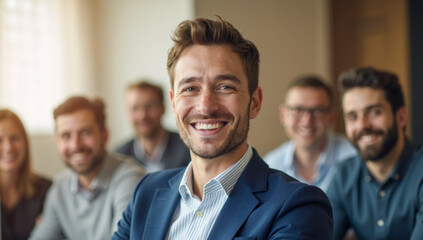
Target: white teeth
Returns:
[204, 126]
[367, 138]
[305, 131]
[78, 156]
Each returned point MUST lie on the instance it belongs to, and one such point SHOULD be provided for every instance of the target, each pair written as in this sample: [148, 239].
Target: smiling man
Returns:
[87, 200]
[154, 147]
[380, 193]
[313, 151]
[227, 191]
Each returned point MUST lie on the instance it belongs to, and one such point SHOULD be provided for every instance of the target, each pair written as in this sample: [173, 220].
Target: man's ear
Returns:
[282, 114]
[171, 99]
[106, 135]
[401, 117]
[256, 101]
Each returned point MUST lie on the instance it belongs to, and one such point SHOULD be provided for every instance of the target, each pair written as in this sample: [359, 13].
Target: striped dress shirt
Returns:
[193, 218]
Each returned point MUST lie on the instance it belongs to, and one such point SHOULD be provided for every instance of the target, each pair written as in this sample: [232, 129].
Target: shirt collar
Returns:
[158, 151]
[225, 180]
[323, 159]
[400, 166]
[100, 182]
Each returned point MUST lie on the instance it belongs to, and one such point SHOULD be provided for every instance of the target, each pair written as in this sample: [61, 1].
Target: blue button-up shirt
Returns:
[389, 210]
[337, 149]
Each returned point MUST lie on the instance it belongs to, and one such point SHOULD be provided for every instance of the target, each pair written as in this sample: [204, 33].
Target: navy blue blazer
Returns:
[264, 204]
[175, 155]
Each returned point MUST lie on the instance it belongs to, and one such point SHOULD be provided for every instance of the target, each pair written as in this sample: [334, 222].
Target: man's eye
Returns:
[351, 117]
[298, 110]
[226, 87]
[374, 112]
[318, 111]
[188, 89]
[86, 133]
[65, 136]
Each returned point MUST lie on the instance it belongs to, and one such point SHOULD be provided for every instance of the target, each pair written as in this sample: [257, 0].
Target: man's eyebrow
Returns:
[187, 80]
[376, 105]
[228, 77]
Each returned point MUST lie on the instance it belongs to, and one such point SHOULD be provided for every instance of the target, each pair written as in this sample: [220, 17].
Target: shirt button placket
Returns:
[200, 213]
[381, 201]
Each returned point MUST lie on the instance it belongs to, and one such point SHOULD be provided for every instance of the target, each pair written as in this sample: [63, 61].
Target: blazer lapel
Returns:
[162, 209]
[241, 201]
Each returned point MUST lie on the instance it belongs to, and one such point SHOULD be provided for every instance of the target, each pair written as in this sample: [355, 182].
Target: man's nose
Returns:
[75, 143]
[208, 102]
[307, 116]
[363, 123]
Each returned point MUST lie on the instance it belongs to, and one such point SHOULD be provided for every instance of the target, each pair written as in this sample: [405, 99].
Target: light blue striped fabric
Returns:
[193, 218]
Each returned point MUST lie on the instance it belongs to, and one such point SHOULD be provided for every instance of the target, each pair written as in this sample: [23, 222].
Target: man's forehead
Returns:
[362, 98]
[307, 95]
[216, 59]
[74, 118]
[138, 94]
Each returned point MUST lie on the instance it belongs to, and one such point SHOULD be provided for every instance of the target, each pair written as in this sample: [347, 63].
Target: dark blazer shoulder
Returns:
[127, 148]
[176, 153]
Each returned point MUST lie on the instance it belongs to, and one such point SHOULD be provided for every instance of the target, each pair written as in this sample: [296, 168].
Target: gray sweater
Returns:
[70, 215]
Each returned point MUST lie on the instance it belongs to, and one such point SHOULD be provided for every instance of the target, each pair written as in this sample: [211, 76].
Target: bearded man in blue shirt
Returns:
[227, 191]
[379, 194]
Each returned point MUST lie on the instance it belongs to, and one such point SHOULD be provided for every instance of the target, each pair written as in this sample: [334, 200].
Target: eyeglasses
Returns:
[315, 112]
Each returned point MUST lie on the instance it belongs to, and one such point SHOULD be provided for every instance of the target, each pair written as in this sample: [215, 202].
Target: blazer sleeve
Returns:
[306, 214]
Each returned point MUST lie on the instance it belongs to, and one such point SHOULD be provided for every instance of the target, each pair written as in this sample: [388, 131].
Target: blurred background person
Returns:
[153, 146]
[313, 151]
[86, 200]
[378, 193]
[22, 192]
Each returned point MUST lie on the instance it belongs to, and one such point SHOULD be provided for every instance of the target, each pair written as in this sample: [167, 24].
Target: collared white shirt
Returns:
[193, 218]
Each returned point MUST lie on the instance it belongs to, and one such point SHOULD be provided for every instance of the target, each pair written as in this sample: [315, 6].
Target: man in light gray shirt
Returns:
[87, 200]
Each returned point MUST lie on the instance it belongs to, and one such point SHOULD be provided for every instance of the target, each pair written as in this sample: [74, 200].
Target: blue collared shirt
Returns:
[389, 210]
[194, 218]
[337, 149]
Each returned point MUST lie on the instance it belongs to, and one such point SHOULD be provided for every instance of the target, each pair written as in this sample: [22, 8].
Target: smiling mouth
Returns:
[306, 132]
[368, 138]
[208, 126]
[79, 157]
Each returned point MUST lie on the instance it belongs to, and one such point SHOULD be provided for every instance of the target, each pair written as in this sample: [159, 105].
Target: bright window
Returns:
[31, 60]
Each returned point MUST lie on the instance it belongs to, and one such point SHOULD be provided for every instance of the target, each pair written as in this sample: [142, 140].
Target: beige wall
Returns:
[129, 39]
[293, 39]
[132, 37]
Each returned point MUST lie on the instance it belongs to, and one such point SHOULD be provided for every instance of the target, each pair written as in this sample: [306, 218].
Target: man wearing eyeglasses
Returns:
[313, 151]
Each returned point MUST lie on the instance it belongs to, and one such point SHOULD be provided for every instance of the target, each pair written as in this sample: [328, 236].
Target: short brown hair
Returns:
[313, 82]
[27, 180]
[205, 31]
[73, 104]
[144, 84]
